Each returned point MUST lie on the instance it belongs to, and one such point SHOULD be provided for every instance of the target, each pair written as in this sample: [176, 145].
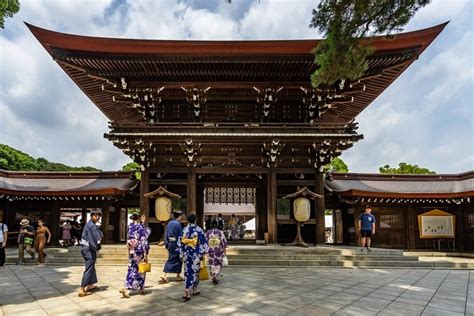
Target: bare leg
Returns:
[368, 242]
[363, 239]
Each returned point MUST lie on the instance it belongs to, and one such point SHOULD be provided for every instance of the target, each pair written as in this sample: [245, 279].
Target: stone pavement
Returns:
[39, 290]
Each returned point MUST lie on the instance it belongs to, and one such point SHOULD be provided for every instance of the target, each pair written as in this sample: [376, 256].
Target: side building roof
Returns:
[33, 183]
[402, 186]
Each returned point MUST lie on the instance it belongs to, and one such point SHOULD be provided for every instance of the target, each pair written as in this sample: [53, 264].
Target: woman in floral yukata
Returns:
[138, 248]
[192, 247]
[217, 249]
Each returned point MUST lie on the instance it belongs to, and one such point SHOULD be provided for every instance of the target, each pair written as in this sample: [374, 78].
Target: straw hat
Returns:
[24, 222]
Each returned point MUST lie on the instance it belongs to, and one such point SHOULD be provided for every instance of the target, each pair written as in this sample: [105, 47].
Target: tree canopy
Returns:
[336, 165]
[7, 9]
[405, 168]
[133, 166]
[13, 159]
[342, 55]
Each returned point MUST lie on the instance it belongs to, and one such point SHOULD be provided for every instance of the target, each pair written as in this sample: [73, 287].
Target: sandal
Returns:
[82, 293]
[163, 280]
[143, 292]
[180, 279]
[92, 288]
[197, 293]
[124, 293]
[186, 298]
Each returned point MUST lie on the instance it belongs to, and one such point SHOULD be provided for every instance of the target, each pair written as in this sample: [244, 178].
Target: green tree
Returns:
[12, 159]
[7, 9]
[336, 165]
[133, 166]
[404, 168]
[342, 54]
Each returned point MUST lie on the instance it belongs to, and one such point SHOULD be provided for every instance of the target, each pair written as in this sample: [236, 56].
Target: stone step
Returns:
[157, 263]
[257, 257]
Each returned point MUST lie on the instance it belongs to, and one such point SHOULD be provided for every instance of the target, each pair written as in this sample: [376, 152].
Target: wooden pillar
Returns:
[357, 212]
[105, 222]
[411, 222]
[54, 223]
[145, 188]
[191, 192]
[272, 224]
[260, 213]
[459, 228]
[320, 208]
[200, 205]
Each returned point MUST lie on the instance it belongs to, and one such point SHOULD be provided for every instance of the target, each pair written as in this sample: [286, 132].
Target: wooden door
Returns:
[338, 227]
[390, 230]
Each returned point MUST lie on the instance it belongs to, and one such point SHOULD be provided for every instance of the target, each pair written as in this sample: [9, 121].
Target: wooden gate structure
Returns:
[196, 111]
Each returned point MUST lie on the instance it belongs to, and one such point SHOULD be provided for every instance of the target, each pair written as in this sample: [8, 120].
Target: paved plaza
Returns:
[39, 290]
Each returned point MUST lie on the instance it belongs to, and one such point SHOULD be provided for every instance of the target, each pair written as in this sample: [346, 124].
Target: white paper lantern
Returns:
[302, 209]
[163, 209]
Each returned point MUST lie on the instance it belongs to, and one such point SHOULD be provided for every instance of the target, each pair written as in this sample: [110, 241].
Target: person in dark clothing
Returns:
[3, 241]
[174, 263]
[208, 223]
[90, 244]
[220, 222]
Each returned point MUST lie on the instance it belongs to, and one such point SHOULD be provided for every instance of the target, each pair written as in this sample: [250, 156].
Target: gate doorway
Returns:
[236, 206]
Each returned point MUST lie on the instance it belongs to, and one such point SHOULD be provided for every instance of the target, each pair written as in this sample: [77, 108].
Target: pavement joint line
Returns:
[434, 294]
[29, 292]
[356, 285]
[414, 284]
[467, 291]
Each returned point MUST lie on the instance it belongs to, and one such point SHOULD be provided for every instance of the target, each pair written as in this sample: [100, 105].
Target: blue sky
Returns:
[425, 117]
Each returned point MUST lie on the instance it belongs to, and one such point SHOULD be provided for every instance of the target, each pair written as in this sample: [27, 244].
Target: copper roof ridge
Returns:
[67, 41]
[407, 177]
[66, 174]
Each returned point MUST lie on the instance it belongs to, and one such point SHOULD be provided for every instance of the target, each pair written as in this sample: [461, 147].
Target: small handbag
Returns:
[203, 273]
[144, 267]
[28, 241]
[225, 262]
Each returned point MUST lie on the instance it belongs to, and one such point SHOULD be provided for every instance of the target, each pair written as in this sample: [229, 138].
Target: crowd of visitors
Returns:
[234, 230]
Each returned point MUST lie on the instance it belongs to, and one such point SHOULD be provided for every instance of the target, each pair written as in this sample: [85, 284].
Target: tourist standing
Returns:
[192, 248]
[217, 250]
[367, 227]
[3, 241]
[234, 229]
[25, 240]
[67, 233]
[207, 223]
[172, 234]
[41, 240]
[220, 222]
[138, 248]
[90, 244]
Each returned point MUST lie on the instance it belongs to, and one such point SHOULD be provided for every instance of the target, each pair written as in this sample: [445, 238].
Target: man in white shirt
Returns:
[3, 242]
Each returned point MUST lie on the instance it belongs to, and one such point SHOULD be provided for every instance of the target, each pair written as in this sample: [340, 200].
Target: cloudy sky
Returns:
[425, 117]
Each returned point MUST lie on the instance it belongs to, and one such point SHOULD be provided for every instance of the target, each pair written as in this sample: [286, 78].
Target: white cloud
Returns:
[425, 117]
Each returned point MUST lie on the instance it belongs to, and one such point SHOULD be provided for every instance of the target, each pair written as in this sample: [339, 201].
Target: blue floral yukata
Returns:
[192, 253]
[138, 247]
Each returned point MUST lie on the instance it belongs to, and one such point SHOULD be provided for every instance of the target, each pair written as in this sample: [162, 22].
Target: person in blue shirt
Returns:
[367, 227]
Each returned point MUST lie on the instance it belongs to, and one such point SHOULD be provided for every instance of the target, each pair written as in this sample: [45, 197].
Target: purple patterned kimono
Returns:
[217, 245]
[138, 247]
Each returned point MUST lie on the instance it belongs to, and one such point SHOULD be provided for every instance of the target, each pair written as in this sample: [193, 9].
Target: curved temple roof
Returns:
[65, 183]
[402, 186]
[230, 68]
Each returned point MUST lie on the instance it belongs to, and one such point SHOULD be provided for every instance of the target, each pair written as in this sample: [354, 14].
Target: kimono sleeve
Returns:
[203, 246]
